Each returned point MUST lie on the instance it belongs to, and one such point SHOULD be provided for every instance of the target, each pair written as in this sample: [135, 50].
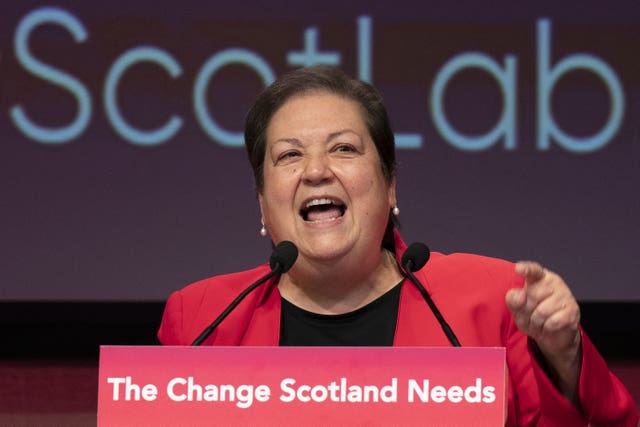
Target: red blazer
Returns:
[470, 292]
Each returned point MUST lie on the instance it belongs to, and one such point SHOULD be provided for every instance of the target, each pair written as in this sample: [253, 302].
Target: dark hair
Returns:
[332, 80]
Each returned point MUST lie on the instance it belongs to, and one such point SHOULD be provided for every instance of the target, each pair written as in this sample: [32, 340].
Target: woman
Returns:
[322, 153]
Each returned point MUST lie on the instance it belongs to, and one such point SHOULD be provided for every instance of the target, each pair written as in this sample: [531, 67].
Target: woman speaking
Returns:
[322, 153]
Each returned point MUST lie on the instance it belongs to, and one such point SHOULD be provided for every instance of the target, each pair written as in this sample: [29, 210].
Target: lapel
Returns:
[264, 326]
[417, 326]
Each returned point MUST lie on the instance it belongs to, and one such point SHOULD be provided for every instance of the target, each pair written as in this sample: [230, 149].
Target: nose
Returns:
[317, 170]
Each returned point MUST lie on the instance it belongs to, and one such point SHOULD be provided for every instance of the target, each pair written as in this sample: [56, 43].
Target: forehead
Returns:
[316, 110]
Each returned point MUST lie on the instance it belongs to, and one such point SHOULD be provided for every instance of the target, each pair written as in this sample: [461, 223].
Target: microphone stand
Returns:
[408, 268]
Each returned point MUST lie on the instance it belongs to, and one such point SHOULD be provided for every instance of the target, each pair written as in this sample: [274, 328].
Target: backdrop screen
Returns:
[124, 176]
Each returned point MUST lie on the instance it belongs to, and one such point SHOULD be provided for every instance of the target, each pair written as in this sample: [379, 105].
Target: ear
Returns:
[261, 205]
[393, 201]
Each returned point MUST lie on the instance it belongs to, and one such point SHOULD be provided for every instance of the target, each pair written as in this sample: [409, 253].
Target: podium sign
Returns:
[293, 386]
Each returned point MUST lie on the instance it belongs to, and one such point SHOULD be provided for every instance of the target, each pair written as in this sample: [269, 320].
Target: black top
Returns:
[371, 325]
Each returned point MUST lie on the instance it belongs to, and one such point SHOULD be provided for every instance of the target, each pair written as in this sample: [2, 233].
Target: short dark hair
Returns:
[329, 79]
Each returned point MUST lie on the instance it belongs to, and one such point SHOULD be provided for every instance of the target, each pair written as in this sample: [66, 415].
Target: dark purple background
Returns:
[101, 219]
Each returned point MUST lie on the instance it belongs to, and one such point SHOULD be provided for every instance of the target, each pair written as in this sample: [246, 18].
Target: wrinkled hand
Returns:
[546, 310]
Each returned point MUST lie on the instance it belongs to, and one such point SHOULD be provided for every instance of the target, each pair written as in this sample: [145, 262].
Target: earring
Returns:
[263, 231]
[395, 211]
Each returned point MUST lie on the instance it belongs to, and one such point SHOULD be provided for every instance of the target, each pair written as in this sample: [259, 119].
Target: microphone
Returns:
[413, 259]
[282, 259]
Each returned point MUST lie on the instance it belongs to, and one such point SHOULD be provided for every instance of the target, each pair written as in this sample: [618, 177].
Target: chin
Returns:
[331, 249]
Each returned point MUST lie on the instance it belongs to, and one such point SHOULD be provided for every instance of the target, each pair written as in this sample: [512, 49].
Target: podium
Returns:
[295, 386]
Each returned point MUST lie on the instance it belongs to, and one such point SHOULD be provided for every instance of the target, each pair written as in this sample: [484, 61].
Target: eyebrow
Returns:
[342, 132]
[332, 135]
[293, 141]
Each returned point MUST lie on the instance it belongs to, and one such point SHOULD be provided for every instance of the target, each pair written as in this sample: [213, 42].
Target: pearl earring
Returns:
[395, 211]
[263, 231]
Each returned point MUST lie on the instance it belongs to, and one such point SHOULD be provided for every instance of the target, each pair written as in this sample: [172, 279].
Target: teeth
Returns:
[317, 202]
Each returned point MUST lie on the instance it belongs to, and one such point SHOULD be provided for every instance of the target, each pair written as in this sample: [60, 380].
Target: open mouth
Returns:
[322, 210]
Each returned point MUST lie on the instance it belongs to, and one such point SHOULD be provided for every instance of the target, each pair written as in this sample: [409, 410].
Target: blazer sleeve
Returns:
[604, 401]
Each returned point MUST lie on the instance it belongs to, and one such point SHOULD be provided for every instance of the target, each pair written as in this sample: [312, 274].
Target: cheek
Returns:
[278, 189]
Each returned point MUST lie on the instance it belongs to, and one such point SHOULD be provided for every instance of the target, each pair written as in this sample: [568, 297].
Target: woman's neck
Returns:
[338, 287]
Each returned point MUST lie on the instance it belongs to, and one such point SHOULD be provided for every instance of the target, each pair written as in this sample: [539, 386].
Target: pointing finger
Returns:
[532, 271]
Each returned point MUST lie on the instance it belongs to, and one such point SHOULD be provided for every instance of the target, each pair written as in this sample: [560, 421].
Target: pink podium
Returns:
[294, 386]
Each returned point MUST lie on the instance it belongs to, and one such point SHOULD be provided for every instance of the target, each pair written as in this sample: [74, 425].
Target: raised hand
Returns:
[546, 310]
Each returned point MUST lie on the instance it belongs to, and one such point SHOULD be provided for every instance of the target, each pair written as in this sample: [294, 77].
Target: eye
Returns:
[344, 148]
[287, 155]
